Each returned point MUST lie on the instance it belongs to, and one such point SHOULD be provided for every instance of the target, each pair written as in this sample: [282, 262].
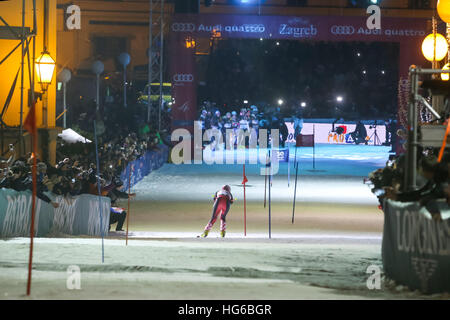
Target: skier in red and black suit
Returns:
[222, 202]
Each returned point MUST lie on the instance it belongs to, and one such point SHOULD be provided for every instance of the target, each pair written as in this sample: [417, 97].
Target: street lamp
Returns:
[98, 67]
[45, 66]
[435, 49]
[443, 9]
[124, 59]
[339, 99]
[64, 76]
[445, 76]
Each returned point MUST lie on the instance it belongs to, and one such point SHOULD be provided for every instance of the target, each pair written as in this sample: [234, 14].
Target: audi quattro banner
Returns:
[76, 215]
[322, 28]
[183, 78]
[416, 248]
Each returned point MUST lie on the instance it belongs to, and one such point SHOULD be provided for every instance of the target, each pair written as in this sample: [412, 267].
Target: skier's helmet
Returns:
[226, 187]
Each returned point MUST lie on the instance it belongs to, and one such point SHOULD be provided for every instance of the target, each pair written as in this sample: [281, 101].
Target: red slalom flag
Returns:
[444, 142]
[245, 180]
[30, 121]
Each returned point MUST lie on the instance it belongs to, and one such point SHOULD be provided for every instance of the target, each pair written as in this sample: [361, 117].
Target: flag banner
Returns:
[416, 248]
[304, 140]
[281, 155]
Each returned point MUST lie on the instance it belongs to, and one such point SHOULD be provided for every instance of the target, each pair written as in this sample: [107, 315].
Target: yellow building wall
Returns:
[75, 47]
[11, 12]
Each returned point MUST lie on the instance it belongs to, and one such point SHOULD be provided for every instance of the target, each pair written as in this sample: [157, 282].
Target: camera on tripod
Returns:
[374, 136]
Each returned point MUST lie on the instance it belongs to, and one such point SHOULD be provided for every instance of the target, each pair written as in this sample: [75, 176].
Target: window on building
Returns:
[109, 47]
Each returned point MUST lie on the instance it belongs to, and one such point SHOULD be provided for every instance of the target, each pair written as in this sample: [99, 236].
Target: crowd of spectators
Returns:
[121, 137]
[248, 118]
[433, 179]
[76, 173]
[263, 71]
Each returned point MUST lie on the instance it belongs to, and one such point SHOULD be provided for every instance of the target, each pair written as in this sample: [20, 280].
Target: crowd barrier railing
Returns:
[78, 215]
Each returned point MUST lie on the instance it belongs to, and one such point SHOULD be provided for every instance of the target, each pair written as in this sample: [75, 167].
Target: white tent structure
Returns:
[70, 136]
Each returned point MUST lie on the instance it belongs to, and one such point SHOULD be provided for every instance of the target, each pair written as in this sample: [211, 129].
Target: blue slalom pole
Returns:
[270, 203]
[289, 166]
[99, 192]
[295, 188]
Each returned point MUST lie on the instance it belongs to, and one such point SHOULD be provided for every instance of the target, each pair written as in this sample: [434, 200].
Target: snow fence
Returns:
[416, 248]
[77, 215]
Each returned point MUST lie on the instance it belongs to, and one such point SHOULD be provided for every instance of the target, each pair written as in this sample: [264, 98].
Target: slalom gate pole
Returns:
[444, 142]
[295, 188]
[265, 183]
[289, 168]
[99, 191]
[245, 209]
[270, 204]
[129, 190]
[33, 214]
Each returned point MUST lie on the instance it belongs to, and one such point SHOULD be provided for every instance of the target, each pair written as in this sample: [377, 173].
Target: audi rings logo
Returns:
[183, 27]
[180, 77]
[342, 30]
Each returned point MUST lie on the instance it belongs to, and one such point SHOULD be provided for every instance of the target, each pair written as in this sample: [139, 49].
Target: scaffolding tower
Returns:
[155, 59]
[25, 38]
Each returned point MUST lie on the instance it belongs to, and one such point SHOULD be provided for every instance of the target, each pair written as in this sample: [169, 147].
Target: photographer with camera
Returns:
[117, 214]
[360, 133]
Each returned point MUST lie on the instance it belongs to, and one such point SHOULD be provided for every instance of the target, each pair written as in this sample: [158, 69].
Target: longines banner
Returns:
[416, 248]
[75, 215]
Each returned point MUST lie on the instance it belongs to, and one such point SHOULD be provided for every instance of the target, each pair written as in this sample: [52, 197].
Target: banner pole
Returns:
[99, 191]
[129, 191]
[33, 211]
[444, 142]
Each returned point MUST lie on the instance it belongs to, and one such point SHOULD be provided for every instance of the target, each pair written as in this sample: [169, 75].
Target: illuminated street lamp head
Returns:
[303, 104]
[339, 99]
[443, 9]
[445, 76]
[45, 66]
[280, 102]
[441, 47]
